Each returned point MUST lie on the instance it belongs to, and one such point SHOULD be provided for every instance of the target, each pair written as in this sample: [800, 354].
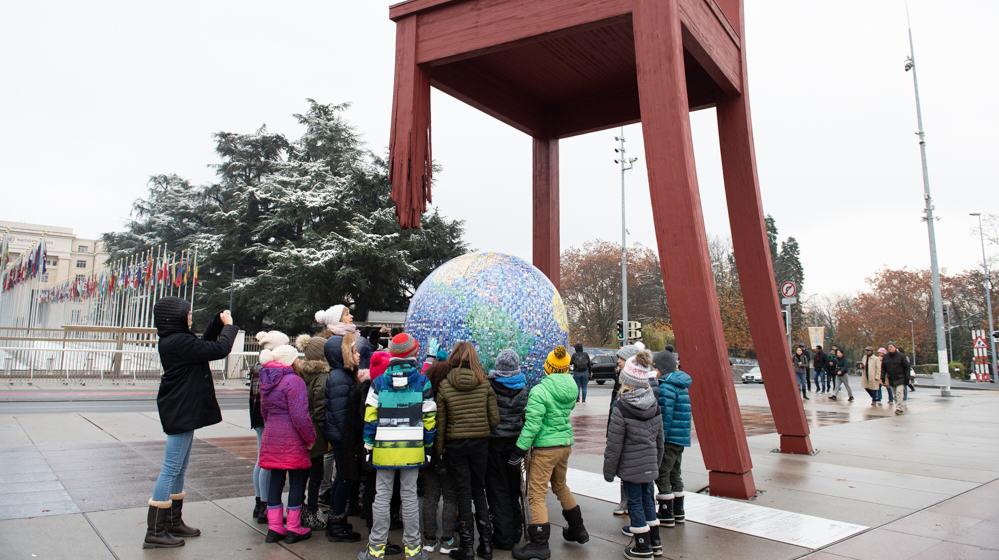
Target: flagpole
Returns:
[194, 278]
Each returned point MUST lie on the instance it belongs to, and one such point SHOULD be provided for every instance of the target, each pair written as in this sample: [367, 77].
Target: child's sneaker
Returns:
[372, 552]
[447, 545]
[430, 544]
[414, 552]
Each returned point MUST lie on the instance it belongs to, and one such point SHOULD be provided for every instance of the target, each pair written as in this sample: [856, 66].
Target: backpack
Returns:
[580, 361]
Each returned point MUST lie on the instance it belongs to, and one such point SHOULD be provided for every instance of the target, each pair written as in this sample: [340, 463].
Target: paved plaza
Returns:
[923, 485]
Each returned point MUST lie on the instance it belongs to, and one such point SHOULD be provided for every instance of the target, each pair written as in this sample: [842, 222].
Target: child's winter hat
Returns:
[630, 350]
[379, 363]
[285, 354]
[635, 372]
[507, 364]
[330, 316]
[269, 341]
[311, 346]
[664, 361]
[403, 345]
[557, 360]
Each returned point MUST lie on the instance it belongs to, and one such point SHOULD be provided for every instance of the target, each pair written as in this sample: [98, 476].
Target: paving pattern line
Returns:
[798, 529]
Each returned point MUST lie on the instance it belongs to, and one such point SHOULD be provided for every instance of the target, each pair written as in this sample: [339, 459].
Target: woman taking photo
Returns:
[186, 402]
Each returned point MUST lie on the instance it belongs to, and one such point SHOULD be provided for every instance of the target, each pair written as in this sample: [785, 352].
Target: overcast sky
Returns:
[98, 96]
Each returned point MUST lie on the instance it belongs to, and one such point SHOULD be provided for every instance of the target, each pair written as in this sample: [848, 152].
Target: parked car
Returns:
[602, 368]
[753, 376]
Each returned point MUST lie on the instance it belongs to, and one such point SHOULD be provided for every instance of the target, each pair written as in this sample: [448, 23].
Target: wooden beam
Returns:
[469, 28]
[470, 84]
[683, 247]
[711, 42]
[546, 209]
[409, 7]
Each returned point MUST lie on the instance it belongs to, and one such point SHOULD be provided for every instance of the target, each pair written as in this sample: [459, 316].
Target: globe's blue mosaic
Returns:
[496, 301]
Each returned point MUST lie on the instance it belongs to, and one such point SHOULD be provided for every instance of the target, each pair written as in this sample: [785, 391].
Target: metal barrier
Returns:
[131, 365]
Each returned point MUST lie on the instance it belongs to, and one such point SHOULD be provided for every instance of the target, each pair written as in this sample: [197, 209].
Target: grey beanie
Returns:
[507, 364]
[664, 361]
[628, 351]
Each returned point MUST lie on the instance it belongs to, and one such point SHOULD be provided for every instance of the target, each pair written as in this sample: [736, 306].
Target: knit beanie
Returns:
[507, 364]
[379, 363]
[626, 352]
[311, 346]
[635, 372]
[331, 315]
[557, 360]
[269, 341]
[665, 362]
[403, 345]
[285, 354]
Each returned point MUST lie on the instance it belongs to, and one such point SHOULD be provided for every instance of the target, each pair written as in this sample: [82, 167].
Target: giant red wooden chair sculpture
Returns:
[557, 68]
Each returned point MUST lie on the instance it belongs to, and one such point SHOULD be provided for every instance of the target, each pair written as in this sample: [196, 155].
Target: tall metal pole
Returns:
[912, 350]
[987, 284]
[943, 375]
[626, 164]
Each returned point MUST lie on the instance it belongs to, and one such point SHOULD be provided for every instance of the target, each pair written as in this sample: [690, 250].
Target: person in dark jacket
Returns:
[895, 374]
[800, 362]
[819, 364]
[674, 405]
[842, 375]
[467, 414]
[622, 355]
[339, 384]
[314, 370]
[580, 365]
[503, 482]
[634, 452]
[832, 365]
[261, 477]
[185, 401]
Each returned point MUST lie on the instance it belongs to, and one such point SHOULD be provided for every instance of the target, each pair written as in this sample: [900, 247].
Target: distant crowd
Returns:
[888, 369]
[422, 439]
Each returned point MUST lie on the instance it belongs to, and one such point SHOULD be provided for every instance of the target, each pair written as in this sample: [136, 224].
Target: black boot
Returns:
[175, 523]
[655, 540]
[640, 547]
[575, 532]
[156, 529]
[259, 509]
[337, 530]
[536, 547]
[466, 543]
[678, 514]
[665, 513]
[485, 526]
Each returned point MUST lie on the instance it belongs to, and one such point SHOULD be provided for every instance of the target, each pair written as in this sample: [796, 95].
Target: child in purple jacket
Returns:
[284, 449]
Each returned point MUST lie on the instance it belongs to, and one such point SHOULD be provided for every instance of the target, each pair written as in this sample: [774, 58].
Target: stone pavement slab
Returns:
[55, 537]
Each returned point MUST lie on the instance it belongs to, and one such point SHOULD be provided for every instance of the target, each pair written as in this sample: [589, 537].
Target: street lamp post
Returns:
[987, 284]
[942, 377]
[626, 165]
[912, 349]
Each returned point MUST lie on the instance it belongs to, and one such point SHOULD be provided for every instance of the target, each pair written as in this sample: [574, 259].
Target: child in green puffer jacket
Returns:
[548, 431]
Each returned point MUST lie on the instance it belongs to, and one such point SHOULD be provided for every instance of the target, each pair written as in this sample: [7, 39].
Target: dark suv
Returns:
[602, 367]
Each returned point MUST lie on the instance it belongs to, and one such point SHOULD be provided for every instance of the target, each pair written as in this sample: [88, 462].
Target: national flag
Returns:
[195, 279]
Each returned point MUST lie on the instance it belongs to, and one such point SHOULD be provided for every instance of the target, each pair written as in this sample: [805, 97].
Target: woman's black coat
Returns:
[186, 399]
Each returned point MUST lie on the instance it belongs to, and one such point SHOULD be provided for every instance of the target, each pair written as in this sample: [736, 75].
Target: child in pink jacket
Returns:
[284, 448]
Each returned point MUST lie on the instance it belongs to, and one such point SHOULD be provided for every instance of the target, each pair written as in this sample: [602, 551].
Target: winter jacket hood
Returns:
[512, 382]
[310, 369]
[639, 403]
[678, 378]
[170, 316]
[463, 379]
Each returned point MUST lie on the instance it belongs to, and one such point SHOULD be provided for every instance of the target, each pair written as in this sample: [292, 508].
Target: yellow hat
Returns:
[557, 361]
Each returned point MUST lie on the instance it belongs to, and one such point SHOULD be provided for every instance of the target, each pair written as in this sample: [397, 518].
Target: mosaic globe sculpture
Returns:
[494, 300]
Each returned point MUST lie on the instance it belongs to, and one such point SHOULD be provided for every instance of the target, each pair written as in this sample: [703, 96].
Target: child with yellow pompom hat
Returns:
[548, 431]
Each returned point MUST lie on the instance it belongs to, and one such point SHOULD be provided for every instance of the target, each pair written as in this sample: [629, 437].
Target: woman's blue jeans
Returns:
[582, 380]
[176, 456]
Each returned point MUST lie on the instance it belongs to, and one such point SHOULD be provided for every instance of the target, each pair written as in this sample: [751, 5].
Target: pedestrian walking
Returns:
[401, 423]
[842, 375]
[288, 436]
[548, 435]
[634, 452]
[268, 341]
[819, 365]
[832, 365]
[185, 401]
[895, 374]
[674, 405]
[467, 413]
[580, 366]
[314, 370]
[503, 483]
[434, 481]
[800, 362]
[870, 375]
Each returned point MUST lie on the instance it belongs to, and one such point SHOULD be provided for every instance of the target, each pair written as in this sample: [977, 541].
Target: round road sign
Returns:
[788, 289]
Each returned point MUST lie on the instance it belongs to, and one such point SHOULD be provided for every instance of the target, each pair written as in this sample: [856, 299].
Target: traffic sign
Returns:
[788, 301]
[788, 289]
[980, 343]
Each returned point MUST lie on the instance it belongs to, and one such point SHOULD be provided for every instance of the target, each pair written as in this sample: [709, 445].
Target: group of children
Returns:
[445, 429]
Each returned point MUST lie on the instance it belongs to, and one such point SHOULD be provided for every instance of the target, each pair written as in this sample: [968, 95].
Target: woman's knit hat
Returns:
[379, 363]
[311, 346]
[284, 354]
[331, 315]
[507, 364]
[269, 341]
[557, 361]
[630, 350]
[403, 345]
[635, 372]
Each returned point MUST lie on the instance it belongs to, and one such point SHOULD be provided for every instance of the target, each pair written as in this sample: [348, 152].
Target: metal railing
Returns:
[131, 364]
